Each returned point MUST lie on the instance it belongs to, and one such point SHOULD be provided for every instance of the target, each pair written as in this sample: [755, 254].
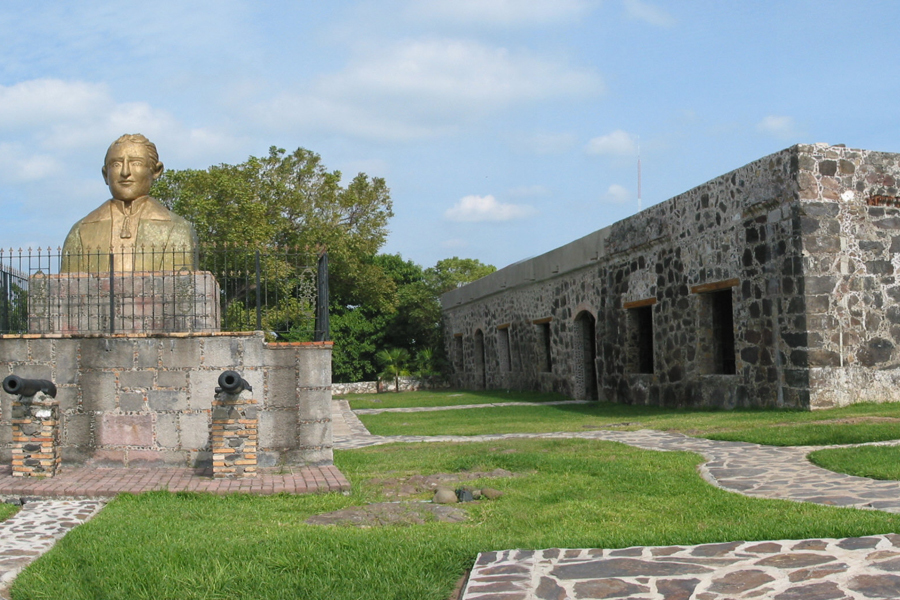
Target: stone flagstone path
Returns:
[34, 529]
[853, 568]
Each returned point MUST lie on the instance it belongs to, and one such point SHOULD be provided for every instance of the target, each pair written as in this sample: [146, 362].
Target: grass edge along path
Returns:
[7, 510]
[445, 397]
[859, 423]
[875, 462]
[569, 493]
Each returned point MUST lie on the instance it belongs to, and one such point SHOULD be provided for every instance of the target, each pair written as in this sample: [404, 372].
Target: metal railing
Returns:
[283, 291]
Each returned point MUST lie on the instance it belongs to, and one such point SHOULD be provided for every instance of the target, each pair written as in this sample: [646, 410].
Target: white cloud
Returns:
[42, 102]
[644, 11]
[783, 128]
[501, 12]
[417, 88]
[617, 194]
[16, 165]
[618, 143]
[54, 120]
[474, 209]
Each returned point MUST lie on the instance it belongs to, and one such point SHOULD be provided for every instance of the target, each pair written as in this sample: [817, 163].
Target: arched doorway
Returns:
[480, 373]
[585, 356]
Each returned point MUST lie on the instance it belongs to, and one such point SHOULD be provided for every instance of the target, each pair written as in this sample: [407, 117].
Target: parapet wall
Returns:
[771, 286]
[141, 400]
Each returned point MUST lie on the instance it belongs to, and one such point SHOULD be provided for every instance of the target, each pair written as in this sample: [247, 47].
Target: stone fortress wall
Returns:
[144, 400]
[771, 286]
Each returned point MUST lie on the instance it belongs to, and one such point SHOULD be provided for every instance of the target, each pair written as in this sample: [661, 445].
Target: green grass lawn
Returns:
[7, 510]
[572, 493]
[445, 398]
[877, 462]
[854, 424]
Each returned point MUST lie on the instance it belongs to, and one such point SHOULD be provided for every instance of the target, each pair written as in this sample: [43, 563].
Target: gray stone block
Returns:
[147, 351]
[253, 348]
[40, 350]
[100, 353]
[67, 396]
[172, 379]
[201, 460]
[317, 435]
[315, 404]
[13, 351]
[5, 406]
[315, 365]
[194, 431]
[277, 429]
[167, 431]
[98, 391]
[66, 368]
[167, 400]
[179, 353]
[309, 457]
[280, 356]
[76, 430]
[135, 380]
[131, 401]
[202, 388]
[33, 371]
[281, 388]
[222, 352]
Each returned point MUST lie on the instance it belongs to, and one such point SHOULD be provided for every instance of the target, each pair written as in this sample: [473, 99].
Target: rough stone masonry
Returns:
[773, 285]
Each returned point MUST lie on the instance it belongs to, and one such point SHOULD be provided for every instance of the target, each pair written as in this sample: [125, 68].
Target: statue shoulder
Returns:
[101, 213]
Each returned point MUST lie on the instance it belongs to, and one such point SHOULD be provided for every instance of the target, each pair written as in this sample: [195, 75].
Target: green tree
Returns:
[291, 200]
[451, 273]
[393, 362]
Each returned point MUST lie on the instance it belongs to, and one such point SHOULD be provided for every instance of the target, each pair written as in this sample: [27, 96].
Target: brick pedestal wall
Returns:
[35, 437]
[234, 436]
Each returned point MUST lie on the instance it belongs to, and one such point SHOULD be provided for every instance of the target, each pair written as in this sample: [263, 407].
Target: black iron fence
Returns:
[282, 291]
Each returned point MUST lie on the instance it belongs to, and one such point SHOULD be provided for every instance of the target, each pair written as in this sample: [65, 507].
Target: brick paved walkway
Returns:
[97, 482]
[853, 568]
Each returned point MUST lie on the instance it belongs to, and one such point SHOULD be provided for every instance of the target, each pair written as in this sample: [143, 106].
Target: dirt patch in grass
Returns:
[391, 513]
[405, 487]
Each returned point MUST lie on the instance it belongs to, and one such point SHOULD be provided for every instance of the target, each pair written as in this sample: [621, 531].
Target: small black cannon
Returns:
[231, 382]
[17, 386]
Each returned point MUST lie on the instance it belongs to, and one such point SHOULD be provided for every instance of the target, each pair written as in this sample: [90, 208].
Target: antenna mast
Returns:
[639, 180]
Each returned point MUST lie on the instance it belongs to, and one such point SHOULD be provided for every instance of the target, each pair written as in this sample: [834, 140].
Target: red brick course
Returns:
[90, 482]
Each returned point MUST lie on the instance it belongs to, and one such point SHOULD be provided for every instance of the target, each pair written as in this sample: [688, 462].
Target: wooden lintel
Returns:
[542, 321]
[457, 335]
[715, 286]
[639, 303]
[504, 326]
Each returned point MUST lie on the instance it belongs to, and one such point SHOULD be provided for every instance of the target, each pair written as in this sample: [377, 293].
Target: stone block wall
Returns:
[79, 303]
[800, 245]
[146, 399]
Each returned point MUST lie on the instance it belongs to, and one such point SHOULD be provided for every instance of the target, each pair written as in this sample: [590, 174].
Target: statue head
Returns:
[131, 166]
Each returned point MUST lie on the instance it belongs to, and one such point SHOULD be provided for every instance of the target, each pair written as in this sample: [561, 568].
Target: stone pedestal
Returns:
[35, 436]
[137, 302]
[234, 436]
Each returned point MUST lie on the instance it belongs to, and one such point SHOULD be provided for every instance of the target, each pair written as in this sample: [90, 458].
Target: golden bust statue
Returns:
[141, 233]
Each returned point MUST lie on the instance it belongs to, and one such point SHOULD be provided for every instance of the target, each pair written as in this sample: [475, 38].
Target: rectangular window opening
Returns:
[544, 342]
[640, 338]
[719, 332]
[458, 361]
[505, 354]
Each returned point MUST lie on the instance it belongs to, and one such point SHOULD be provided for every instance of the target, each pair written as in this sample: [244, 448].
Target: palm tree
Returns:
[393, 361]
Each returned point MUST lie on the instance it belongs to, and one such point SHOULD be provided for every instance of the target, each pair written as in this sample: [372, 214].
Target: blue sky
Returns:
[504, 128]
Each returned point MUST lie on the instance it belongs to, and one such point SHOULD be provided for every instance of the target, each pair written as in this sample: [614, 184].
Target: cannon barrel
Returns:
[231, 382]
[28, 387]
